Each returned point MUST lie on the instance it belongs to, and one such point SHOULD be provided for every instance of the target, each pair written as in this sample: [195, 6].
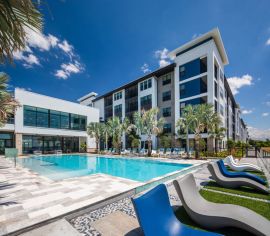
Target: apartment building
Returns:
[196, 76]
[47, 124]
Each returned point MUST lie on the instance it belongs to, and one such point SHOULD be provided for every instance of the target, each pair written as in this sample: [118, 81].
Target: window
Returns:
[193, 87]
[146, 102]
[146, 84]
[216, 88]
[194, 101]
[216, 72]
[118, 110]
[221, 110]
[108, 101]
[167, 128]
[166, 79]
[166, 112]
[216, 106]
[166, 96]
[221, 93]
[40, 117]
[55, 119]
[193, 68]
[221, 76]
[64, 120]
[117, 96]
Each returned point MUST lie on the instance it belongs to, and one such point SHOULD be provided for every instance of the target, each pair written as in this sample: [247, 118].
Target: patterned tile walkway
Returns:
[27, 198]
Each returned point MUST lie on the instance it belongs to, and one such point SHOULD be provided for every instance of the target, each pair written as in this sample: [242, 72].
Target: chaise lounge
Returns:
[240, 167]
[156, 216]
[214, 215]
[234, 182]
[230, 174]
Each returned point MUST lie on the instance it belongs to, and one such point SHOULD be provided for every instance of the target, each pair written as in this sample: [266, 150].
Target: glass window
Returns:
[216, 71]
[29, 116]
[166, 112]
[166, 79]
[167, 128]
[64, 120]
[193, 87]
[146, 84]
[146, 102]
[83, 123]
[118, 96]
[216, 89]
[194, 101]
[216, 106]
[166, 96]
[221, 76]
[55, 119]
[221, 93]
[42, 117]
[74, 121]
[193, 68]
[221, 110]
[118, 110]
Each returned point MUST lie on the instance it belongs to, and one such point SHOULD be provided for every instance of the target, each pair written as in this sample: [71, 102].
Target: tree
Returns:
[94, 130]
[230, 145]
[165, 141]
[15, 16]
[8, 104]
[106, 133]
[146, 122]
[217, 133]
[117, 129]
[184, 124]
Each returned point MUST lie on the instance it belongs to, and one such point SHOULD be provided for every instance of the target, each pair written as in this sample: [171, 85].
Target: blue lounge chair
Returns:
[156, 216]
[230, 174]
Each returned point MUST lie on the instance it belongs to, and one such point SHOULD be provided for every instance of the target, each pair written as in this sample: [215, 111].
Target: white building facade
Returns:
[196, 76]
[47, 124]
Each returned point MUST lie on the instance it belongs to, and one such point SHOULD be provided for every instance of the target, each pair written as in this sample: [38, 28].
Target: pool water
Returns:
[58, 167]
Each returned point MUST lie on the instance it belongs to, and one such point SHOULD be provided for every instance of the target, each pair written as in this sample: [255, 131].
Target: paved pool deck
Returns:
[27, 199]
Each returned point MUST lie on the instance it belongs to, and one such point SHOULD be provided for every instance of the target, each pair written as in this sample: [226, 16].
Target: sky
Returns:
[99, 45]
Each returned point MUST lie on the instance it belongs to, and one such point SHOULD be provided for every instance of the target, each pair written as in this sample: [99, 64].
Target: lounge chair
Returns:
[142, 152]
[214, 215]
[168, 152]
[161, 151]
[240, 167]
[125, 152]
[233, 182]
[230, 174]
[58, 152]
[156, 216]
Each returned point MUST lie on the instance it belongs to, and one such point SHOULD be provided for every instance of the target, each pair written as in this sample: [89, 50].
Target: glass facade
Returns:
[196, 101]
[117, 96]
[167, 128]
[40, 117]
[167, 79]
[146, 102]
[193, 87]
[48, 144]
[193, 68]
[118, 111]
[6, 141]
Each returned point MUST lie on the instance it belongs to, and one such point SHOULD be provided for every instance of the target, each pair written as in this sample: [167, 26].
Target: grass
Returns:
[245, 191]
[261, 208]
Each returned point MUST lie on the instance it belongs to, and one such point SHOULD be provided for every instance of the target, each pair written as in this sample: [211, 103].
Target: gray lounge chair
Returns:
[213, 215]
[234, 182]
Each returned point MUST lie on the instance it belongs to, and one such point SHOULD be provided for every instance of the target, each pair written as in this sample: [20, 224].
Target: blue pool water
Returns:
[57, 167]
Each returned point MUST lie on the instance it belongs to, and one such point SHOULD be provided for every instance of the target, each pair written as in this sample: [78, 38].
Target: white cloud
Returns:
[28, 60]
[66, 47]
[267, 43]
[145, 68]
[53, 40]
[258, 134]
[68, 69]
[238, 82]
[163, 57]
[245, 112]
[264, 114]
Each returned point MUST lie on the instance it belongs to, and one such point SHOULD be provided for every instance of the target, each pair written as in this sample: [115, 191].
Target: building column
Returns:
[18, 142]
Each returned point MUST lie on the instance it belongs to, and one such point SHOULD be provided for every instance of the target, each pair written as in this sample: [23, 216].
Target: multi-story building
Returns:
[46, 124]
[196, 76]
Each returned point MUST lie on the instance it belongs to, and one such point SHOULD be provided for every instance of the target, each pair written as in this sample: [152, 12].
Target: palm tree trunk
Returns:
[197, 152]
[149, 147]
[187, 143]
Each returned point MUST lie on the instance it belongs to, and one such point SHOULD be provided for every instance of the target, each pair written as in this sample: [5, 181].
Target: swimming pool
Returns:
[58, 167]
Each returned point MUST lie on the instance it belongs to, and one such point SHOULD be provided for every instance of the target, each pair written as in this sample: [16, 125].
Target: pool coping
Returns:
[142, 186]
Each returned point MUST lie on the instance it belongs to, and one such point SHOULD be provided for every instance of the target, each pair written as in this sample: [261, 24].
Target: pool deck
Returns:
[28, 199]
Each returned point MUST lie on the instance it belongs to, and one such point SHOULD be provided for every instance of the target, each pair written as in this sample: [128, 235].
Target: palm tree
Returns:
[8, 104]
[15, 15]
[94, 130]
[218, 133]
[106, 133]
[146, 122]
[184, 124]
[117, 129]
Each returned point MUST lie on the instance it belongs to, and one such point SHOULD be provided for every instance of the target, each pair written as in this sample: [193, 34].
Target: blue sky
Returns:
[99, 45]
